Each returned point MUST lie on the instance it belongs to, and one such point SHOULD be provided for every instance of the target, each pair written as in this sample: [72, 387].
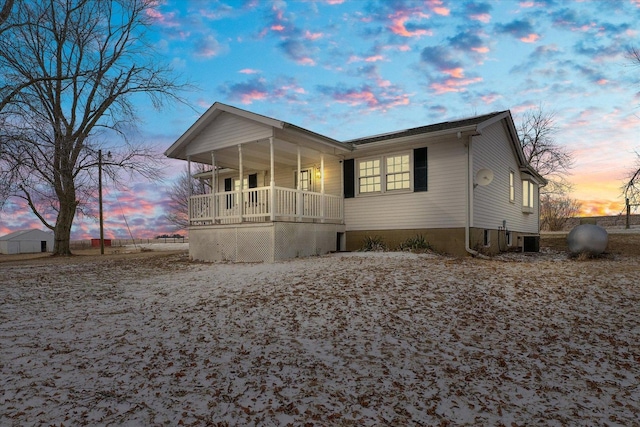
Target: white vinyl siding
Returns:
[443, 206]
[229, 130]
[493, 150]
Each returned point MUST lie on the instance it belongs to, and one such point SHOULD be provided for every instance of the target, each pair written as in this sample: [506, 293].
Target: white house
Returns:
[280, 191]
[26, 241]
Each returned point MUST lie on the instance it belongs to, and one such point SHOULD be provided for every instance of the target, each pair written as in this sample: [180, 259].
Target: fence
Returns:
[86, 244]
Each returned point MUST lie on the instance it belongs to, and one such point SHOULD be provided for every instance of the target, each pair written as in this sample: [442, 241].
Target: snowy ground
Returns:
[344, 339]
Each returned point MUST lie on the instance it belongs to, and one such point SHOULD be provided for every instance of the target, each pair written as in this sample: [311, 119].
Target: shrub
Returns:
[415, 244]
[374, 244]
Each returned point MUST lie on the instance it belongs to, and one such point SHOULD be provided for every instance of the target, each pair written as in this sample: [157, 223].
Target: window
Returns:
[486, 240]
[369, 176]
[512, 187]
[236, 184]
[305, 179]
[395, 169]
[527, 196]
[398, 173]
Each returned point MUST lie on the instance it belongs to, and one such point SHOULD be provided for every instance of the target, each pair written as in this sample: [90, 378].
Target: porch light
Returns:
[318, 173]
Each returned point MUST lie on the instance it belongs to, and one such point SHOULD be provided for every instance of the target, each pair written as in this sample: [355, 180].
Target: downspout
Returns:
[470, 187]
[469, 197]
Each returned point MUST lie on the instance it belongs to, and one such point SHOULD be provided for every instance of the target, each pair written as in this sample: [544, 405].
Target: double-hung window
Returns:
[394, 173]
[527, 196]
[512, 186]
[398, 173]
[384, 174]
[369, 176]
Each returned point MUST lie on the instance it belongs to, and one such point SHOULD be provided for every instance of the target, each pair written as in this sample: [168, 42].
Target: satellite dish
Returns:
[484, 177]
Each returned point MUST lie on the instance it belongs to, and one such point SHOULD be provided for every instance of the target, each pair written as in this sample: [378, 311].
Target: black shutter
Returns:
[349, 169]
[253, 180]
[420, 169]
[227, 187]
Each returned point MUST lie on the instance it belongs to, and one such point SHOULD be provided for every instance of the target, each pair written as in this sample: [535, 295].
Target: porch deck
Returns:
[265, 204]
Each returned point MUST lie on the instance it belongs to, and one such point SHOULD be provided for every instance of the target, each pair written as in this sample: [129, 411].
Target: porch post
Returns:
[272, 183]
[342, 191]
[240, 201]
[324, 201]
[190, 190]
[214, 186]
[298, 187]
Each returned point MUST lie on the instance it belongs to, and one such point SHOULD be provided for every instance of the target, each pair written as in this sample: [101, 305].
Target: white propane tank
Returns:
[588, 238]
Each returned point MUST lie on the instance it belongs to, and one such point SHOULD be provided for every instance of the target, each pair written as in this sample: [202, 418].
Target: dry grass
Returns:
[352, 339]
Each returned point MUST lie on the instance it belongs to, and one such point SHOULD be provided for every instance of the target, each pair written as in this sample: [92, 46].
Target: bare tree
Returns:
[70, 69]
[552, 161]
[6, 10]
[631, 186]
[179, 193]
[555, 211]
[537, 135]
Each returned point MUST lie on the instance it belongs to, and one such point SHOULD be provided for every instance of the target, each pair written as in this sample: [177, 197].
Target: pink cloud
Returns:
[437, 7]
[306, 61]
[163, 19]
[277, 27]
[335, 2]
[602, 82]
[531, 38]
[398, 24]
[356, 98]
[203, 103]
[457, 73]
[374, 58]
[482, 49]
[249, 97]
[490, 98]
[249, 71]
[207, 47]
[482, 17]
[291, 88]
[312, 36]
[453, 85]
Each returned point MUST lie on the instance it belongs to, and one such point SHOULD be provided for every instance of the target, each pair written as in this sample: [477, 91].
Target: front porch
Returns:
[269, 190]
[265, 204]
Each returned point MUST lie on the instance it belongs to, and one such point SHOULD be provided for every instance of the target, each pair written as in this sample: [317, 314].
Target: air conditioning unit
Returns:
[531, 244]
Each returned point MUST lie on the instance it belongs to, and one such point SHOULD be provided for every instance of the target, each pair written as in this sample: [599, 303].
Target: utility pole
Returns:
[100, 202]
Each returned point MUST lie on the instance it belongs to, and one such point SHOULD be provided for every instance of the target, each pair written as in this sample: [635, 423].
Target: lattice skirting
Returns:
[262, 242]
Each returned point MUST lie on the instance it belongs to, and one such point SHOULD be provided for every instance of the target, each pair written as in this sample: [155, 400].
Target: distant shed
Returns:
[26, 242]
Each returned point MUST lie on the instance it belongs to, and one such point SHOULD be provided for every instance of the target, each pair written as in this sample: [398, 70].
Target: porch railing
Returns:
[255, 205]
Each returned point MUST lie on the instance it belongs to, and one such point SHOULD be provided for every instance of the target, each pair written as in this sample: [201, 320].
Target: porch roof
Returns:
[286, 136]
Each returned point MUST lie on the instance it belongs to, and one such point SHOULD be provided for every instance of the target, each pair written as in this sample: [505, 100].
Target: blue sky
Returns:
[349, 69]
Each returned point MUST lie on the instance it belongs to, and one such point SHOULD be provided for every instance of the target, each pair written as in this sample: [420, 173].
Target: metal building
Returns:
[26, 242]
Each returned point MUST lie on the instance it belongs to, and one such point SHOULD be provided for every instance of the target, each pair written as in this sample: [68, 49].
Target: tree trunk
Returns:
[62, 230]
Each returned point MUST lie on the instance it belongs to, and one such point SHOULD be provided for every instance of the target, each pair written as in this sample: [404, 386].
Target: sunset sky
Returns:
[349, 69]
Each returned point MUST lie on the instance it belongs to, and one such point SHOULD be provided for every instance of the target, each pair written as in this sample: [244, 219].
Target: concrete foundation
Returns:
[263, 242]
